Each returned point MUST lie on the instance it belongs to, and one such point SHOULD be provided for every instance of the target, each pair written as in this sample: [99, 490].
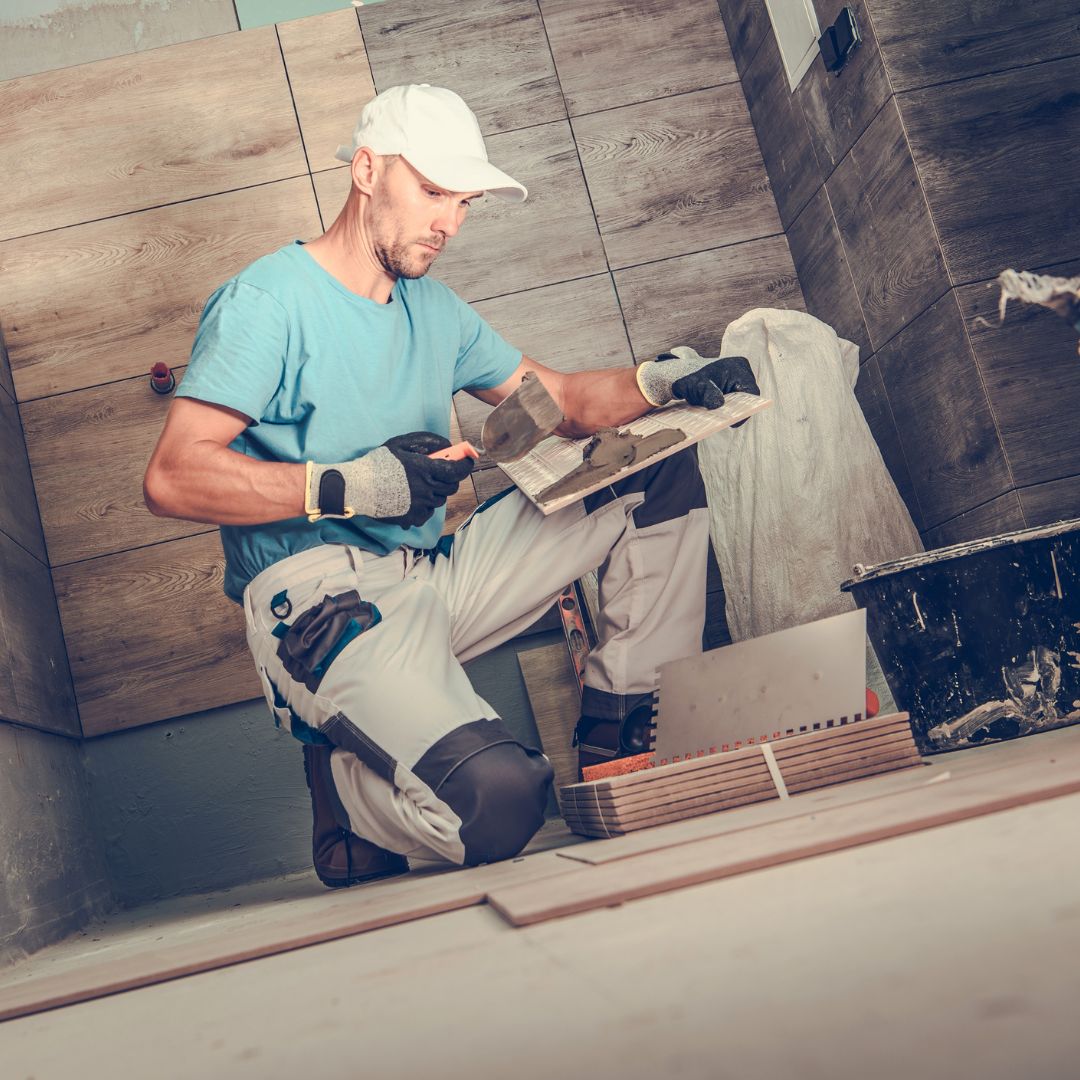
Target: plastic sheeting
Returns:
[799, 494]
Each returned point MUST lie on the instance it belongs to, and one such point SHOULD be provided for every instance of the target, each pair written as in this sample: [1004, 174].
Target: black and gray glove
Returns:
[697, 380]
[397, 482]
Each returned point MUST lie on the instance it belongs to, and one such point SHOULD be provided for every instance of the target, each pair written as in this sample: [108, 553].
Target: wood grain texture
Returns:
[691, 300]
[1032, 350]
[943, 416]
[330, 80]
[839, 106]
[823, 271]
[930, 43]
[151, 635]
[870, 393]
[145, 129]
[494, 53]
[1058, 500]
[506, 247]
[886, 230]
[747, 24]
[573, 326]
[35, 681]
[6, 382]
[18, 500]
[675, 175]
[556, 706]
[782, 132]
[106, 300]
[609, 53]
[993, 153]
[462, 503]
[96, 507]
[999, 515]
[490, 482]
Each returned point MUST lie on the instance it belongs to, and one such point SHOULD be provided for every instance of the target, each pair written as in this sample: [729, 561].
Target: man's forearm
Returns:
[595, 399]
[216, 485]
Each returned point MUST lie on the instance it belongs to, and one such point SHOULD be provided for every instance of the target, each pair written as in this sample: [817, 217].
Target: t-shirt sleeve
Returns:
[484, 358]
[238, 358]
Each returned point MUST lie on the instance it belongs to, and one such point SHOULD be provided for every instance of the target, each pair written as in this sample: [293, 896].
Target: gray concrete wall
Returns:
[53, 878]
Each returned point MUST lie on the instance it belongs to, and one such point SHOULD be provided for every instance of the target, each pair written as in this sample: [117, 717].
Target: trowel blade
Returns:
[520, 422]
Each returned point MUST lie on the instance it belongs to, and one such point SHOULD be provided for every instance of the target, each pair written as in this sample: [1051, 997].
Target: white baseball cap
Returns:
[437, 134]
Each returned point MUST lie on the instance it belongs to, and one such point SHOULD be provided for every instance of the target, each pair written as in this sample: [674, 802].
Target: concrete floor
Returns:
[950, 953]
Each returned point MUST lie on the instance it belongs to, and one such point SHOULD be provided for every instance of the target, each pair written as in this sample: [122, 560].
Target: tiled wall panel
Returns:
[1057, 500]
[18, 505]
[747, 25]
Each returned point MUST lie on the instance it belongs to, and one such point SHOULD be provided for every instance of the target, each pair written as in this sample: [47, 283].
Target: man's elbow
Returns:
[158, 493]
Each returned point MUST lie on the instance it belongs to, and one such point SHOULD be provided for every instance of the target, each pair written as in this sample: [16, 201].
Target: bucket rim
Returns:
[863, 574]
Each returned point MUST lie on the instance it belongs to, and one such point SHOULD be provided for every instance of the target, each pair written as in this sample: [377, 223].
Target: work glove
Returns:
[397, 482]
[697, 380]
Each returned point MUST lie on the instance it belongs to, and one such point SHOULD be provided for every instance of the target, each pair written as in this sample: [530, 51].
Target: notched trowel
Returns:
[521, 421]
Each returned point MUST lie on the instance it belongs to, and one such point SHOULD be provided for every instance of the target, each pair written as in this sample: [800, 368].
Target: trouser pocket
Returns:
[308, 647]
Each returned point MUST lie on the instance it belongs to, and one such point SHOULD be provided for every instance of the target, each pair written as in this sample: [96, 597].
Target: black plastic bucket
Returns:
[980, 642]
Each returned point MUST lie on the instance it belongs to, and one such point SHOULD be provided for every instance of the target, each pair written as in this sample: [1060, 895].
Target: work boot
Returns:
[341, 857]
[599, 739]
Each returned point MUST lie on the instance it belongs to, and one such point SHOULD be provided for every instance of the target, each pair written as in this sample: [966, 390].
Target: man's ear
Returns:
[365, 169]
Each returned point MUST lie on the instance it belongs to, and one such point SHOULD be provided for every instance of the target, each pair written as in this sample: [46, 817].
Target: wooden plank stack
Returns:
[621, 804]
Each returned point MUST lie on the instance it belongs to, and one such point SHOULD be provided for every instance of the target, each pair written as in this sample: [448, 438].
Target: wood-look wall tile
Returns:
[1032, 377]
[942, 414]
[151, 635]
[609, 52]
[691, 300]
[110, 431]
[823, 271]
[490, 482]
[747, 24]
[839, 107]
[1058, 500]
[18, 501]
[462, 503]
[886, 230]
[6, 381]
[106, 300]
[35, 688]
[781, 131]
[1000, 515]
[494, 53]
[932, 43]
[511, 247]
[870, 393]
[996, 156]
[179, 142]
[330, 80]
[675, 175]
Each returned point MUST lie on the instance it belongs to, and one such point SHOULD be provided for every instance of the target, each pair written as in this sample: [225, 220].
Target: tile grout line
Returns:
[137, 547]
[299, 126]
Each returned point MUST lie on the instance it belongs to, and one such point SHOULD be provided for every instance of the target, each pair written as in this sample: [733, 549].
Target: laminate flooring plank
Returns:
[571, 326]
[105, 301]
[785, 841]
[609, 53]
[151, 635]
[145, 129]
[98, 508]
[886, 230]
[37, 687]
[748, 25]
[945, 42]
[556, 706]
[690, 300]
[943, 415]
[494, 53]
[676, 175]
[980, 170]
[18, 501]
[278, 929]
[1039, 431]
[1052, 501]
[330, 80]
[999, 515]
[6, 383]
[512, 247]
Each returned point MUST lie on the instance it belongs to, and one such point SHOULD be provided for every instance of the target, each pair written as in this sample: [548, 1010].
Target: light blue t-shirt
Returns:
[326, 376]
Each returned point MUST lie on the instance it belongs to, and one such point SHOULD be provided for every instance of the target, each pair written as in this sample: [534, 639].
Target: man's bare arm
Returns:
[589, 400]
[194, 475]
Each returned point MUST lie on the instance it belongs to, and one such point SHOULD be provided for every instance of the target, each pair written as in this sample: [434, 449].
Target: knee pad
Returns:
[500, 794]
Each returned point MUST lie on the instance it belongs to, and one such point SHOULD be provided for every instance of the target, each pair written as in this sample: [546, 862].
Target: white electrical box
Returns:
[797, 32]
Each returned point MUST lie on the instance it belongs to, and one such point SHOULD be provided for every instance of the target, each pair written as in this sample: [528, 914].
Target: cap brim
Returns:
[468, 174]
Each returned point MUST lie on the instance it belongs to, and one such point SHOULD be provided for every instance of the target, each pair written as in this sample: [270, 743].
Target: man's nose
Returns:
[449, 221]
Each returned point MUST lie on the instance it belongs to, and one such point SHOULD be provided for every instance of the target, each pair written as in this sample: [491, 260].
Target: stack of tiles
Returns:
[776, 770]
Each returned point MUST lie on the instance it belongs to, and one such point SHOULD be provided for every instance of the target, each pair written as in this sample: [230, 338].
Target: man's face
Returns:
[412, 219]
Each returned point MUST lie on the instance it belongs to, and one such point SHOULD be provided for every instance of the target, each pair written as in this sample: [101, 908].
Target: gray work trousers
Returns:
[365, 652]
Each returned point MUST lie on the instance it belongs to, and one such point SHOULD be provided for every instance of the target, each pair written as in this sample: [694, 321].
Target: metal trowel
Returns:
[521, 421]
